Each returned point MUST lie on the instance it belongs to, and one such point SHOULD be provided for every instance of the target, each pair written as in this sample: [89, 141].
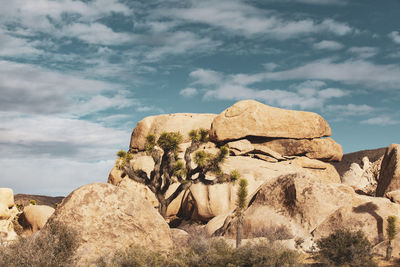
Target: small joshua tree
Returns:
[241, 206]
[169, 168]
[391, 232]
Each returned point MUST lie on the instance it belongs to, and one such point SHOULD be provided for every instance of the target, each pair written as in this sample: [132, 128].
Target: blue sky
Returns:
[76, 76]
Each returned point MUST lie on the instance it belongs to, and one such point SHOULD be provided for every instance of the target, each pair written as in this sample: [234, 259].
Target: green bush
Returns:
[32, 202]
[53, 246]
[344, 247]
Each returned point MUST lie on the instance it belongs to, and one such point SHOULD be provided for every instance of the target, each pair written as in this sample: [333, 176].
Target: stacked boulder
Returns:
[287, 132]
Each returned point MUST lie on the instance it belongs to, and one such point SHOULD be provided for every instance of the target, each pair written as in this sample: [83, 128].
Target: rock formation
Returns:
[389, 176]
[182, 123]
[273, 142]
[8, 211]
[109, 218]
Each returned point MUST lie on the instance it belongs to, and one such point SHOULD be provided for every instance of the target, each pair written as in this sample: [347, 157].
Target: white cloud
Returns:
[382, 120]
[188, 92]
[54, 177]
[364, 51]
[395, 36]
[270, 66]
[351, 71]
[328, 45]
[206, 77]
[30, 89]
[350, 109]
[13, 46]
[306, 95]
[243, 19]
[45, 135]
[96, 33]
[180, 43]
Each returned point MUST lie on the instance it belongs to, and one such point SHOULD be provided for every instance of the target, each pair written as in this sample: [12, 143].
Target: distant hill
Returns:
[40, 200]
[372, 154]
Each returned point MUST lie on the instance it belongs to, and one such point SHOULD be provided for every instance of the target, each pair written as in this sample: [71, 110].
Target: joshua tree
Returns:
[391, 232]
[169, 168]
[241, 205]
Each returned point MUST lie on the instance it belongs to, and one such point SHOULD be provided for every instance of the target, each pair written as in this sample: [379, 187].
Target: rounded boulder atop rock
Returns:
[252, 118]
[180, 122]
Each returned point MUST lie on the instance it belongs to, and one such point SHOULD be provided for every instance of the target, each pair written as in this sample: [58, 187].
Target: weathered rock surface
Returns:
[7, 214]
[322, 148]
[251, 118]
[181, 122]
[394, 196]
[210, 201]
[389, 176]
[362, 179]
[300, 207]
[109, 218]
[36, 216]
[368, 214]
[356, 157]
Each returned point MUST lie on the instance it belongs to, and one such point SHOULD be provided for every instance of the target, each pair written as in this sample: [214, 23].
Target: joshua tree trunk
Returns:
[239, 229]
[389, 251]
[163, 205]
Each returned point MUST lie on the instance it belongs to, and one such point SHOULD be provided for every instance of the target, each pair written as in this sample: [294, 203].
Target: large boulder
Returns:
[389, 176]
[7, 214]
[109, 218]
[208, 201]
[251, 118]
[322, 148]
[36, 216]
[180, 122]
[368, 214]
[303, 208]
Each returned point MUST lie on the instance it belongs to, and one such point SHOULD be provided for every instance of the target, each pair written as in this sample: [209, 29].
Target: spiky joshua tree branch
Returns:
[169, 168]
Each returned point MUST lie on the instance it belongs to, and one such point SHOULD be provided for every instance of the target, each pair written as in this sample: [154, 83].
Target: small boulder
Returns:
[36, 216]
[389, 176]
[180, 122]
[252, 118]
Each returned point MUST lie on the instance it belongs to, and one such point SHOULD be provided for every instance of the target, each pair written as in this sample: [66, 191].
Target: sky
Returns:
[76, 76]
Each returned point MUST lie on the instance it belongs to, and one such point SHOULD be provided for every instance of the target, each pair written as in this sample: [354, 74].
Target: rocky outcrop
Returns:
[36, 216]
[325, 149]
[300, 207]
[373, 155]
[181, 122]
[7, 214]
[389, 176]
[368, 214]
[109, 218]
[252, 118]
[208, 201]
[362, 179]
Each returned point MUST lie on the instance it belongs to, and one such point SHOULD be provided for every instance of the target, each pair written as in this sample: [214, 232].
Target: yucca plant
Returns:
[169, 168]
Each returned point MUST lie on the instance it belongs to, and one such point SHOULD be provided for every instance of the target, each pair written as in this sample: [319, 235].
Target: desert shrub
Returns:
[203, 253]
[135, 256]
[346, 247]
[273, 233]
[261, 253]
[53, 246]
[32, 202]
